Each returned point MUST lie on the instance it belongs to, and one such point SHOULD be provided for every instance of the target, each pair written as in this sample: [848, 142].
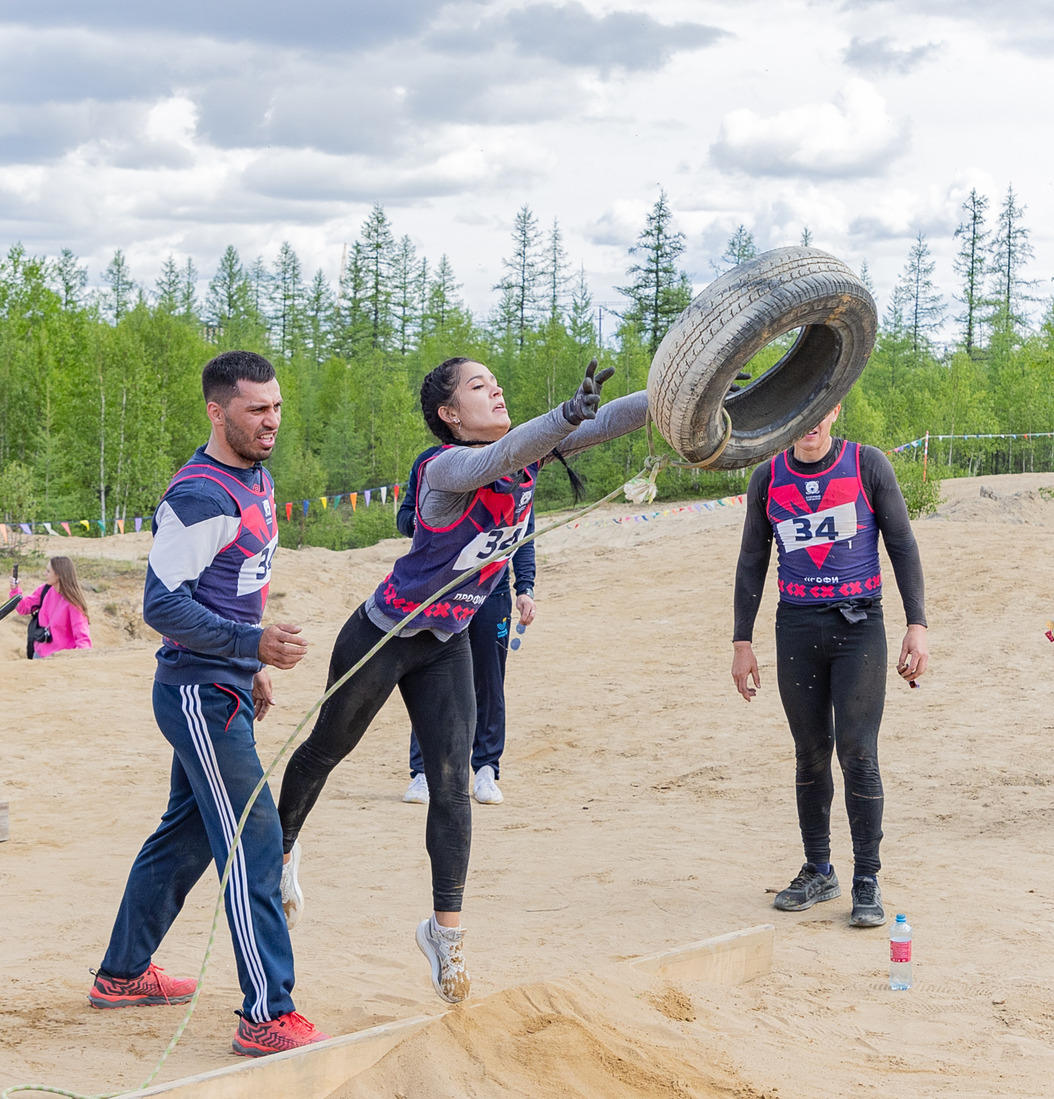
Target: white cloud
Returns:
[880, 55]
[851, 136]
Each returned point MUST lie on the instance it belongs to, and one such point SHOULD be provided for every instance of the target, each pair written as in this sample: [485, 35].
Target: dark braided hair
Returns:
[438, 389]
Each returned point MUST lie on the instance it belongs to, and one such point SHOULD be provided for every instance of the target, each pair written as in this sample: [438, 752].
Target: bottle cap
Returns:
[901, 918]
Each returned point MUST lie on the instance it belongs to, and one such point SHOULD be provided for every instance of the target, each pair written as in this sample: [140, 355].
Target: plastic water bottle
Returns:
[900, 954]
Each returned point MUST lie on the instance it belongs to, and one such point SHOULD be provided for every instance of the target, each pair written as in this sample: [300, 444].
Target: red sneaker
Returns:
[286, 1032]
[149, 989]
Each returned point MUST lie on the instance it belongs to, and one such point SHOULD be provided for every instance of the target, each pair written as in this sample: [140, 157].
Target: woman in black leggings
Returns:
[825, 501]
[474, 498]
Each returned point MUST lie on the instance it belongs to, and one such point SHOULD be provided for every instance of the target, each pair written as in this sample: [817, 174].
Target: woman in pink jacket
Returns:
[62, 608]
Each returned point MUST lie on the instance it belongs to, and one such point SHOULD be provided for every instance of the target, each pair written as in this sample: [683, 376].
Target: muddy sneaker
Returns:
[867, 904]
[149, 989]
[807, 889]
[444, 949]
[417, 791]
[275, 1035]
[292, 895]
[485, 788]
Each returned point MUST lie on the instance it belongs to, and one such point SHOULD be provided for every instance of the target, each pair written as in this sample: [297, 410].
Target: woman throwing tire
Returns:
[474, 498]
[825, 501]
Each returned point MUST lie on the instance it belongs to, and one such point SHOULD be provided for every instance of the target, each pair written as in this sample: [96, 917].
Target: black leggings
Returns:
[832, 681]
[435, 680]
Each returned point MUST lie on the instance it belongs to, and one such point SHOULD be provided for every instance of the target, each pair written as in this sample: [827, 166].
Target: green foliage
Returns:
[339, 528]
[921, 496]
[17, 492]
[102, 399]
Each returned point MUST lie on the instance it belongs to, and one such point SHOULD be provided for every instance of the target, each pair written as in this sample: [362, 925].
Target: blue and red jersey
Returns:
[496, 519]
[215, 536]
[825, 530]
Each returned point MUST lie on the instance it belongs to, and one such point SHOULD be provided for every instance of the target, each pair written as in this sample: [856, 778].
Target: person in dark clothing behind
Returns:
[488, 637]
[825, 501]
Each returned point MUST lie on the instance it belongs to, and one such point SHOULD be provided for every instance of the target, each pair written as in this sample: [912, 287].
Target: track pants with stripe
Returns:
[215, 769]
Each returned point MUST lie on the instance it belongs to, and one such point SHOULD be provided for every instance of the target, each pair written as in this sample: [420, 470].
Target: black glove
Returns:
[584, 404]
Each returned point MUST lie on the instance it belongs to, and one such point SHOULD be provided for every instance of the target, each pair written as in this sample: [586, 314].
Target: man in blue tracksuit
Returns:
[215, 536]
[488, 636]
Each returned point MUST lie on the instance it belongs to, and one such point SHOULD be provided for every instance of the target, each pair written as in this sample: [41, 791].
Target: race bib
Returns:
[820, 528]
[489, 542]
[256, 570]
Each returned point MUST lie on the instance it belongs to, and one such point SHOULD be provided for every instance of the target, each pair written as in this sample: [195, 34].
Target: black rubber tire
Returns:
[728, 323]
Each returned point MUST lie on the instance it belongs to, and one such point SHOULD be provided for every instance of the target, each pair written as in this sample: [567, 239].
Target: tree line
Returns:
[102, 399]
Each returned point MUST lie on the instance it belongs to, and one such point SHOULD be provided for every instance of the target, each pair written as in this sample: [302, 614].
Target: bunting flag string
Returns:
[120, 525]
[647, 517]
[916, 443]
[367, 494]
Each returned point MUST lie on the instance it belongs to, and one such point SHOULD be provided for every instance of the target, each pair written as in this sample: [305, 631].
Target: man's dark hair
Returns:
[220, 378]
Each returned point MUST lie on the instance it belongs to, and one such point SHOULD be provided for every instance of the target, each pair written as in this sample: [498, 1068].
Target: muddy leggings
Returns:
[435, 679]
[832, 682]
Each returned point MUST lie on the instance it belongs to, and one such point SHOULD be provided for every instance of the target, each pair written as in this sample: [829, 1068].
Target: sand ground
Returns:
[646, 806]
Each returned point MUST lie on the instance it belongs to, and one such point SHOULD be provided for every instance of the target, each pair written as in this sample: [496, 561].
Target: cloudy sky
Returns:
[178, 129]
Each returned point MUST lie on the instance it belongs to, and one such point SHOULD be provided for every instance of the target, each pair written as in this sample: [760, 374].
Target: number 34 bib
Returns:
[494, 522]
[825, 531]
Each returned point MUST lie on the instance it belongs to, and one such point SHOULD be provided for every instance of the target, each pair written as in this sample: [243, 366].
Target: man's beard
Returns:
[243, 443]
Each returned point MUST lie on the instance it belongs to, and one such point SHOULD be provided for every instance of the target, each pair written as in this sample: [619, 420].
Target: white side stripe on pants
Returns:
[237, 884]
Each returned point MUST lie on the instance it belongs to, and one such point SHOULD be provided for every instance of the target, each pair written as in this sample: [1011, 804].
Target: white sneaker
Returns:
[444, 948]
[417, 791]
[292, 895]
[485, 789]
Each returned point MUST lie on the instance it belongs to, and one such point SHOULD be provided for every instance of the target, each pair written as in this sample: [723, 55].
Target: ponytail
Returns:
[578, 486]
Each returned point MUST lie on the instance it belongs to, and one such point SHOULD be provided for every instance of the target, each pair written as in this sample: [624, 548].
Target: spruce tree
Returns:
[287, 302]
[377, 256]
[741, 247]
[118, 299]
[71, 279]
[970, 266]
[658, 291]
[923, 308]
[523, 270]
[1011, 250]
[554, 271]
[167, 286]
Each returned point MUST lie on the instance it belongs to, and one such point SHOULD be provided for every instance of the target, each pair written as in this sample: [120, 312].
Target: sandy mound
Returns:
[1024, 498]
[583, 1037]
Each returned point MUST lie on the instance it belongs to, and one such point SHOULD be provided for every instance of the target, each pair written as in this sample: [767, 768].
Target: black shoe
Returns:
[867, 904]
[808, 888]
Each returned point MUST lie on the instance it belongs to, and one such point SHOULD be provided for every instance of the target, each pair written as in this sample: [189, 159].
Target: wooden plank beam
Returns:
[311, 1072]
[728, 959]
[5, 825]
